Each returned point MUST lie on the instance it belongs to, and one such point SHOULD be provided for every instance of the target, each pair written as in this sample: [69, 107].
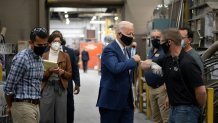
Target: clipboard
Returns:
[48, 64]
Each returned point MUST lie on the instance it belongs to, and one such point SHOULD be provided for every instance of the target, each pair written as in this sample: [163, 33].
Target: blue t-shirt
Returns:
[152, 79]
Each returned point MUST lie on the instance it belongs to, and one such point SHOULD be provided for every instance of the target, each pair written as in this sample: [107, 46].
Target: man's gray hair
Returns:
[122, 25]
[155, 30]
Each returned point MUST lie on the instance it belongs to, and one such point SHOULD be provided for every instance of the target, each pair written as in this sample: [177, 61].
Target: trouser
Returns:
[157, 98]
[70, 103]
[117, 116]
[24, 112]
[184, 114]
[53, 106]
[85, 64]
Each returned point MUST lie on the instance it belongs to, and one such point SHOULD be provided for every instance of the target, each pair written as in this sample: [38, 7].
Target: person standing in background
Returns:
[76, 78]
[158, 94]
[187, 39]
[77, 54]
[55, 83]
[23, 84]
[115, 99]
[132, 48]
[85, 60]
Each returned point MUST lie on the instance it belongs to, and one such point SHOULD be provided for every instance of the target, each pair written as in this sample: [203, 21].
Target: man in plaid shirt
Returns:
[22, 87]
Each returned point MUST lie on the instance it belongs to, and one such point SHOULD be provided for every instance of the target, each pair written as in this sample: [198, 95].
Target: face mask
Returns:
[55, 46]
[155, 43]
[126, 40]
[165, 46]
[39, 50]
[183, 44]
[133, 46]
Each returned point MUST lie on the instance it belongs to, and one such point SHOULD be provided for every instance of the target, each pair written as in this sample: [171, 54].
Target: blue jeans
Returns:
[184, 114]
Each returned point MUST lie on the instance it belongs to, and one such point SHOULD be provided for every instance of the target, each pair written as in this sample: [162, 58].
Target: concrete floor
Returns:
[85, 109]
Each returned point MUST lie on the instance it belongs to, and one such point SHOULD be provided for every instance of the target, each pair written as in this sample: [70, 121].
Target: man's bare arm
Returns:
[201, 95]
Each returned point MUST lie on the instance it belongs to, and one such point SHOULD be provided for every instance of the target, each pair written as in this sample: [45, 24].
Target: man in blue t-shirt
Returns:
[158, 94]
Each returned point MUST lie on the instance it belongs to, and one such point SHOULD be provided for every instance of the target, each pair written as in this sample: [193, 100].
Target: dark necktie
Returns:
[125, 53]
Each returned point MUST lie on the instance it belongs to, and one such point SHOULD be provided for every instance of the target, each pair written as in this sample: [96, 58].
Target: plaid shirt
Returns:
[25, 76]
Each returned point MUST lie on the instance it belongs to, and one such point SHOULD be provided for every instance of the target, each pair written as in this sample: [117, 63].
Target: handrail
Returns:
[1, 75]
[210, 105]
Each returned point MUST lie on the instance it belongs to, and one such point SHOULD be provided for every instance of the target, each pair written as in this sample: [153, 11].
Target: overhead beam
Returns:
[85, 3]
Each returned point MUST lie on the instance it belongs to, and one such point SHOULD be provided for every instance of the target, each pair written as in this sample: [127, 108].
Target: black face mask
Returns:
[165, 46]
[155, 43]
[126, 40]
[39, 50]
[133, 46]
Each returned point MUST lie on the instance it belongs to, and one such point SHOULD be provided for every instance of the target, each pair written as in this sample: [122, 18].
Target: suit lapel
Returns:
[119, 51]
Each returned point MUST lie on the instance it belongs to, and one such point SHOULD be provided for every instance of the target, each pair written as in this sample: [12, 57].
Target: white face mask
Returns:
[55, 46]
[183, 43]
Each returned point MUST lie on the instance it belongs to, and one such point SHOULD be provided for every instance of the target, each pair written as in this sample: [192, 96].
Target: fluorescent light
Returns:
[97, 22]
[81, 35]
[93, 18]
[116, 18]
[67, 21]
[66, 15]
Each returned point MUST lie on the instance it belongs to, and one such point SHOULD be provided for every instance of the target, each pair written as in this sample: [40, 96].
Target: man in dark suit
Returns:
[77, 53]
[75, 78]
[85, 59]
[115, 99]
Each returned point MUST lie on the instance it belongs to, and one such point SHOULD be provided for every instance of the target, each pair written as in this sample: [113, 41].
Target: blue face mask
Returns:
[183, 44]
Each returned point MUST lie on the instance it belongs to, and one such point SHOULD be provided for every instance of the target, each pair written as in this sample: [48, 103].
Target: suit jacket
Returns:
[74, 64]
[63, 63]
[115, 84]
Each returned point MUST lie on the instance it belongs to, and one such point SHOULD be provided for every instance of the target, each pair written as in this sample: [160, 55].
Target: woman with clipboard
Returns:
[53, 104]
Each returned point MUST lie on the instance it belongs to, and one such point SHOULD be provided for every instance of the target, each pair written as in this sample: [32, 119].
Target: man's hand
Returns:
[76, 89]
[136, 58]
[146, 64]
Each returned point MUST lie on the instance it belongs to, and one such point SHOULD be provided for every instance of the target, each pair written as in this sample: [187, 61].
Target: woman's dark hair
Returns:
[52, 37]
[38, 31]
[63, 42]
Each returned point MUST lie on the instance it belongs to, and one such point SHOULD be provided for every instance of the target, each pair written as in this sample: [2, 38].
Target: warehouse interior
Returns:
[91, 24]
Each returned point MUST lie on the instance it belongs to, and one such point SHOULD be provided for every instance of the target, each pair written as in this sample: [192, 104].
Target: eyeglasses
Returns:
[155, 37]
[39, 29]
[163, 41]
[41, 45]
[128, 34]
[56, 40]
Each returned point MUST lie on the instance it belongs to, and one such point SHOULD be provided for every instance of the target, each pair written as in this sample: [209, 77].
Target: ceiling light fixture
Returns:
[67, 21]
[97, 22]
[66, 15]
[116, 18]
[93, 18]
